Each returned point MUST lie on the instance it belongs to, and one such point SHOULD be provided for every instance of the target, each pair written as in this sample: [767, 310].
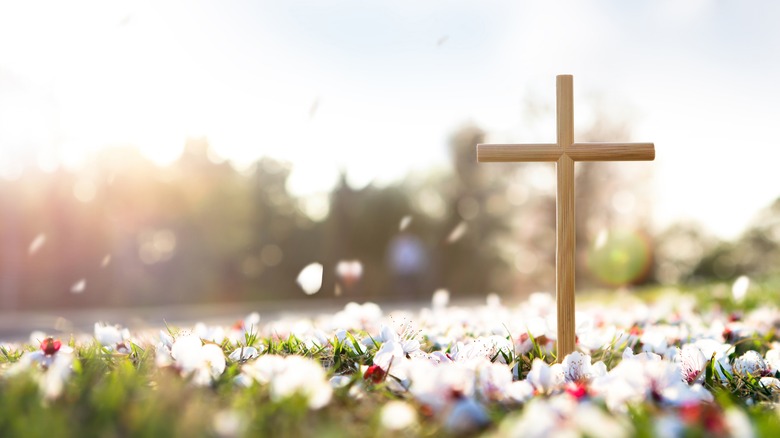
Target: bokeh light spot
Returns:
[622, 258]
[271, 255]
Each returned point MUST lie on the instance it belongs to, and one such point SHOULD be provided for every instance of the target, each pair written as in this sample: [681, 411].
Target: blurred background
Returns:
[202, 152]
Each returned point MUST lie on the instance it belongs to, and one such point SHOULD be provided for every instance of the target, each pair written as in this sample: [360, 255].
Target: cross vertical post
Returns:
[565, 249]
[564, 153]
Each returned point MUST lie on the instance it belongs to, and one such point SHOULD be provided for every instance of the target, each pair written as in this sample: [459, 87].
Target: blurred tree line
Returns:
[123, 232]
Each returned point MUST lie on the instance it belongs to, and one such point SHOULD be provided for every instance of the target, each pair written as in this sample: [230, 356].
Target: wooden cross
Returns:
[564, 153]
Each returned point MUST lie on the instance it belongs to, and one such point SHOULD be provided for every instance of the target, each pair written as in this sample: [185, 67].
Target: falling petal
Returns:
[310, 278]
[740, 288]
[106, 261]
[601, 239]
[36, 244]
[457, 233]
[79, 286]
[405, 221]
[349, 271]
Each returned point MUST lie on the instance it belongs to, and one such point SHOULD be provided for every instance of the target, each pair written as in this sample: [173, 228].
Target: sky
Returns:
[377, 88]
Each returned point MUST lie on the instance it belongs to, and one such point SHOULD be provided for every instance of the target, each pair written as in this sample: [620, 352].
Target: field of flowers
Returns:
[676, 363]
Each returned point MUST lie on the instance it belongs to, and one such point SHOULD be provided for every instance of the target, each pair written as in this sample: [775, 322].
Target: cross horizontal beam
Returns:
[493, 153]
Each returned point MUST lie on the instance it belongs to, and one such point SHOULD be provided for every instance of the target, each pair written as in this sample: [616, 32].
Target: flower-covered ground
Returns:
[675, 364]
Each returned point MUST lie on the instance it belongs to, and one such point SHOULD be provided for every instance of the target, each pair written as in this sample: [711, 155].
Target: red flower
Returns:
[49, 346]
[706, 415]
[577, 390]
[374, 373]
[636, 330]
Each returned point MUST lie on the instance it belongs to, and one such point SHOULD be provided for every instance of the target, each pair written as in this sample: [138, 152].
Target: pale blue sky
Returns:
[392, 80]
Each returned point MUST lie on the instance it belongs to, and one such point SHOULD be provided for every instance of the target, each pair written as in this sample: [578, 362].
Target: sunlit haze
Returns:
[377, 88]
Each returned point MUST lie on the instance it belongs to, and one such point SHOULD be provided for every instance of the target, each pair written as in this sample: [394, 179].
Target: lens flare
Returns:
[620, 258]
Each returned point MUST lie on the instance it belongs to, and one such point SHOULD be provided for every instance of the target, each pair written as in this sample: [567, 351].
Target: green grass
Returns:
[127, 395]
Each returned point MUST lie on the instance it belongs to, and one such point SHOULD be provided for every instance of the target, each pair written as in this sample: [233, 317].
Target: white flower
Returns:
[668, 425]
[242, 354]
[265, 368]
[339, 381]
[229, 423]
[692, 362]
[112, 337]
[389, 353]
[772, 358]
[493, 380]
[545, 378]
[304, 376]
[205, 363]
[770, 383]
[358, 316]
[538, 420]
[738, 423]
[751, 364]
[654, 340]
[438, 386]
[467, 416]
[710, 347]
[404, 335]
[53, 380]
[577, 368]
[520, 391]
[628, 354]
[55, 362]
[638, 380]
[291, 375]
[489, 348]
[215, 334]
[397, 415]
[210, 365]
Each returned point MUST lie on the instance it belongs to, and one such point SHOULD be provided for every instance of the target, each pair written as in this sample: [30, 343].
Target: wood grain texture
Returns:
[564, 211]
[565, 110]
[487, 153]
[611, 151]
[564, 256]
